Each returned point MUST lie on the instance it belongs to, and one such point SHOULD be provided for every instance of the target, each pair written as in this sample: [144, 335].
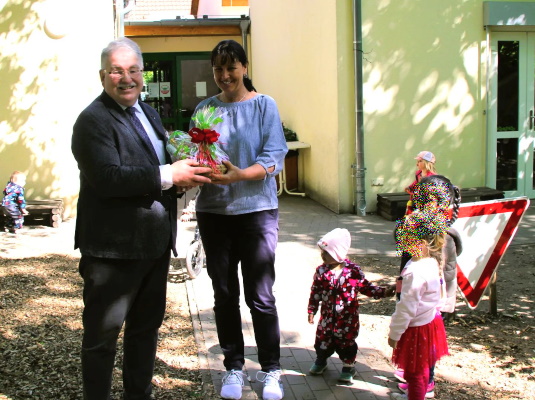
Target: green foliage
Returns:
[506, 128]
[290, 135]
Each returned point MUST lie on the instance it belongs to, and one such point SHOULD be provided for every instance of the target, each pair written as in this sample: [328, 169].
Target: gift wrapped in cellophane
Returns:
[201, 142]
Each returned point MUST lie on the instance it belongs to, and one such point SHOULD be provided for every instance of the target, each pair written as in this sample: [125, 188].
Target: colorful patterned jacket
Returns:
[339, 303]
[14, 196]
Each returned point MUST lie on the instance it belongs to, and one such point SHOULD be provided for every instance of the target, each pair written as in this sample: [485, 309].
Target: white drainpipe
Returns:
[120, 12]
[359, 170]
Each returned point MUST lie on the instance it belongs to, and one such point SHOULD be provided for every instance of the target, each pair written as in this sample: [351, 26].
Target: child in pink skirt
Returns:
[417, 332]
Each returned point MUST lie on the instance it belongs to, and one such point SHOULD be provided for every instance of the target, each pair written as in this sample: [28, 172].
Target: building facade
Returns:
[368, 84]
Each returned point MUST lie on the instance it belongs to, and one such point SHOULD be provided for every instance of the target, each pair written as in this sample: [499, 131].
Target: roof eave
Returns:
[188, 27]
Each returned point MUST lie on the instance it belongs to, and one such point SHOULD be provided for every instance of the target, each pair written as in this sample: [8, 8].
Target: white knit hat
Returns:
[336, 243]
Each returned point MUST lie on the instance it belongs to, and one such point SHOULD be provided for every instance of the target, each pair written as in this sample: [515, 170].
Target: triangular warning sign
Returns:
[486, 229]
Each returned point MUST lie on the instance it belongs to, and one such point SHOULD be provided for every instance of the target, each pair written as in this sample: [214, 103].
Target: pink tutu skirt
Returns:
[420, 347]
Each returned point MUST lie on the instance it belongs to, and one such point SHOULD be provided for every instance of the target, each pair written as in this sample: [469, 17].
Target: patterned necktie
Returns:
[131, 111]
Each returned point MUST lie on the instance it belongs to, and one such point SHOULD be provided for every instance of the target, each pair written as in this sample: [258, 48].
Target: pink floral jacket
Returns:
[339, 317]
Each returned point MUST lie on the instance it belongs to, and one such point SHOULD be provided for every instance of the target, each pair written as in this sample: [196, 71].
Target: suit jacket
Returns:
[122, 210]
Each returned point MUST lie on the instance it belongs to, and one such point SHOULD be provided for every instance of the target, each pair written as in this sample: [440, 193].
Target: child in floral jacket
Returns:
[14, 203]
[337, 283]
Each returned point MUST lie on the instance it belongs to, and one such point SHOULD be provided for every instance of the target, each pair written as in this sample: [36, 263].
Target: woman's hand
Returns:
[310, 318]
[392, 343]
[232, 175]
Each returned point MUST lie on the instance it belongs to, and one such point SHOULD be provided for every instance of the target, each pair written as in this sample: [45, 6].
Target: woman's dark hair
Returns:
[230, 51]
[453, 191]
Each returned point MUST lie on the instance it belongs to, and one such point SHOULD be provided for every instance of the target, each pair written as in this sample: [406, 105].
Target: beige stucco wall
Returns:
[49, 72]
[302, 55]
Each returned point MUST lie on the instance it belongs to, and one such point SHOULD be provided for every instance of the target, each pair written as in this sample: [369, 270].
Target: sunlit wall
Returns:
[303, 58]
[424, 89]
[49, 66]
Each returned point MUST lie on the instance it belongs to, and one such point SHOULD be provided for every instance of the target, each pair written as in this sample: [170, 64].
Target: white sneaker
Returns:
[273, 389]
[232, 384]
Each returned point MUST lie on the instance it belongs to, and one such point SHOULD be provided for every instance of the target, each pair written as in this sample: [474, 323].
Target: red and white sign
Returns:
[486, 229]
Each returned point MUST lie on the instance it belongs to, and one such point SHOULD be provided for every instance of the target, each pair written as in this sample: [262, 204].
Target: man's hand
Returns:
[187, 173]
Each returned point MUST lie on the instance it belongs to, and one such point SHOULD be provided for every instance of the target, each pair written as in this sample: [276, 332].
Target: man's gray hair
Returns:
[120, 43]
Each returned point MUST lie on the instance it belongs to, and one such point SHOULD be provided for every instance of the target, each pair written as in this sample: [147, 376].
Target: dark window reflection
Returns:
[508, 86]
[506, 172]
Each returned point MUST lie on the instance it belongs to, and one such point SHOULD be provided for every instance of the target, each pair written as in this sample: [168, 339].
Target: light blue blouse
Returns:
[251, 133]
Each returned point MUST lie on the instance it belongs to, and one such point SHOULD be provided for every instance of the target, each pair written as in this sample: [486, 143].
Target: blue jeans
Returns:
[250, 239]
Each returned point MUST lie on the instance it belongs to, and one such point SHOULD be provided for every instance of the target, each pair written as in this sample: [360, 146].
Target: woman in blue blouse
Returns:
[237, 216]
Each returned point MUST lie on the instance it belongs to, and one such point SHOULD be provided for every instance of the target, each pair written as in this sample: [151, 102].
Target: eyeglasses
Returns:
[120, 73]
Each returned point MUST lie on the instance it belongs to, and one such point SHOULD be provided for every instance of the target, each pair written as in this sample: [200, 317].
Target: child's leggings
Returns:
[418, 383]
[347, 351]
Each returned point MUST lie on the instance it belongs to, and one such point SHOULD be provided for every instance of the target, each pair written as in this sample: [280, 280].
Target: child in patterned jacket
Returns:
[14, 203]
[337, 283]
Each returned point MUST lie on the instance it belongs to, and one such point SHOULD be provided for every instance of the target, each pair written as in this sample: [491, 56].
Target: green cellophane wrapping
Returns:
[180, 145]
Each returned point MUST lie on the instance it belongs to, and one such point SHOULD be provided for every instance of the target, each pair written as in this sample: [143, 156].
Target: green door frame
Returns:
[176, 119]
[524, 134]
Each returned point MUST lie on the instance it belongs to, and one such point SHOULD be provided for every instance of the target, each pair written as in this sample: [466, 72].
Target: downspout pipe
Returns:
[488, 60]
[244, 26]
[359, 170]
[120, 12]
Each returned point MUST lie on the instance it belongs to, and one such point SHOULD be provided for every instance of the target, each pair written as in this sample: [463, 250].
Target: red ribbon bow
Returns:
[203, 135]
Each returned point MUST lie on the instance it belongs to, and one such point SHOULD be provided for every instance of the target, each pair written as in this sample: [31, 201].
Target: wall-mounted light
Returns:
[57, 18]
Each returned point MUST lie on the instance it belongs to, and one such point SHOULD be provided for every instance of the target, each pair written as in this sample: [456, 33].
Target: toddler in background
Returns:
[337, 283]
[425, 162]
[14, 203]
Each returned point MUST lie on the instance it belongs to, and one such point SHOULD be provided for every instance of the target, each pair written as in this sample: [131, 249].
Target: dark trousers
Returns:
[14, 217]
[347, 353]
[250, 239]
[117, 292]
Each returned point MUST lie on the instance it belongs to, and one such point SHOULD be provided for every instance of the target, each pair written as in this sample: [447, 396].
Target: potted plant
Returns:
[291, 160]
[290, 135]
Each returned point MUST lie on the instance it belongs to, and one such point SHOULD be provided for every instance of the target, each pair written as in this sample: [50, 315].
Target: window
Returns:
[235, 3]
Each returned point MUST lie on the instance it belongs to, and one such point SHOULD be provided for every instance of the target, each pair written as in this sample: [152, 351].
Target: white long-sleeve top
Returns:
[420, 296]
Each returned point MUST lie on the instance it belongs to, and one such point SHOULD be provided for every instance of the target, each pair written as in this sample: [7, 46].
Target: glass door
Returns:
[159, 76]
[196, 82]
[511, 130]
[175, 83]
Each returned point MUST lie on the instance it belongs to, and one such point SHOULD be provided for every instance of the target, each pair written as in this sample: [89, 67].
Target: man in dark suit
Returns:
[126, 224]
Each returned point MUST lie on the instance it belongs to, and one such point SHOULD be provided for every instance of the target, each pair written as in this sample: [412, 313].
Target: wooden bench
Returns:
[391, 206]
[42, 212]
